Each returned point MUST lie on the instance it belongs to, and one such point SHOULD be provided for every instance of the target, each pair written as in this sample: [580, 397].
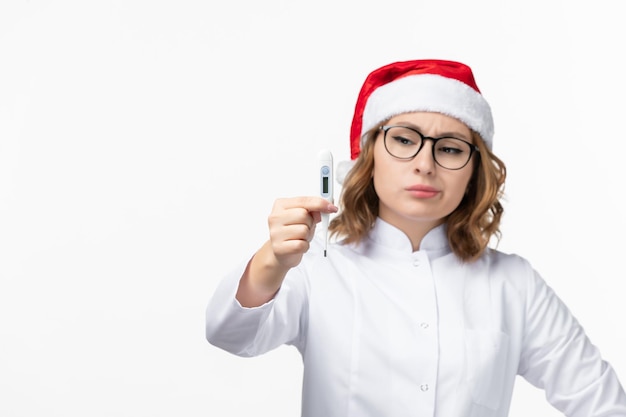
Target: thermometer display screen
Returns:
[325, 185]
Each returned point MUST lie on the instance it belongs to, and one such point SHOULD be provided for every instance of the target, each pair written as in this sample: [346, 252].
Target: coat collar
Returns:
[435, 243]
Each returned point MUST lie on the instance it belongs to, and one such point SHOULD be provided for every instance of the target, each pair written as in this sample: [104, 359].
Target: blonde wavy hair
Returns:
[469, 227]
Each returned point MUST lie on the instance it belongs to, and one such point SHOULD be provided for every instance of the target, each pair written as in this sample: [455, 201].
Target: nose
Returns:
[423, 162]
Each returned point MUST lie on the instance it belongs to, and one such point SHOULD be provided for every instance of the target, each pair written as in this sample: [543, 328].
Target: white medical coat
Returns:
[385, 331]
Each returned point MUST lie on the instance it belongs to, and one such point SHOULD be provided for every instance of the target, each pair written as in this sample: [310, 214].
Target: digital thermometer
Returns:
[325, 166]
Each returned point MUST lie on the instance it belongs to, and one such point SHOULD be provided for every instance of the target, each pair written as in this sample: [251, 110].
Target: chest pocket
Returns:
[486, 354]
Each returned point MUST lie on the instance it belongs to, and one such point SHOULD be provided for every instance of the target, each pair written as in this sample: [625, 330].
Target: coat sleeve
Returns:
[254, 331]
[559, 358]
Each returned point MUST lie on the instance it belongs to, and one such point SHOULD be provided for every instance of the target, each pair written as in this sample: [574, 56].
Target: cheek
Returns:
[383, 174]
[380, 180]
[460, 189]
[456, 182]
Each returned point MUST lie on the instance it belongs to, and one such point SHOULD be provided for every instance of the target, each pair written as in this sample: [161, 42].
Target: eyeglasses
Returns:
[405, 143]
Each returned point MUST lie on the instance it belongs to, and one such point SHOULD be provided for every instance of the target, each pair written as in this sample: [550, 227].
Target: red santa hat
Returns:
[432, 85]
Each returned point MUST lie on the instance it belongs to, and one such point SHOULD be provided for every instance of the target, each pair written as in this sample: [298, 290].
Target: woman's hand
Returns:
[291, 227]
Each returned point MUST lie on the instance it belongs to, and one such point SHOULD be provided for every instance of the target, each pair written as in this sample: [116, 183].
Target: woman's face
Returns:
[418, 193]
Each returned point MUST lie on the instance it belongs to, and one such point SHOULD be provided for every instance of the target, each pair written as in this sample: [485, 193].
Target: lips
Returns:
[422, 191]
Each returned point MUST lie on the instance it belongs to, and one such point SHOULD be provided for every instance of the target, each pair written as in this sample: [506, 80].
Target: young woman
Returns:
[411, 313]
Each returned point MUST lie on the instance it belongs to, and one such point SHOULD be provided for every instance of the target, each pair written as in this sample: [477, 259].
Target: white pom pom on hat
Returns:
[432, 85]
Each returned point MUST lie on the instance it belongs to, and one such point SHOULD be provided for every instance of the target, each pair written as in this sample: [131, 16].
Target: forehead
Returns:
[431, 123]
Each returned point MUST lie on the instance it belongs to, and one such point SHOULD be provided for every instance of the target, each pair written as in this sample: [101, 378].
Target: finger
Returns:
[293, 216]
[290, 240]
[317, 217]
[290, 233]
[311, 234]
[310, 203]
[290, 248]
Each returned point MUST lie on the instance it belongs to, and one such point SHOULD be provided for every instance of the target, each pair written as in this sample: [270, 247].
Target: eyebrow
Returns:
[451, 134]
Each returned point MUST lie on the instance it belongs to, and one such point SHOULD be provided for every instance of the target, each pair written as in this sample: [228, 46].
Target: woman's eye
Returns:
[452, 147]
[450, 150]
[403, 141]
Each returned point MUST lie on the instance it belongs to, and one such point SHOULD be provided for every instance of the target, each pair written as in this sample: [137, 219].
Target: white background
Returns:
[142, 144]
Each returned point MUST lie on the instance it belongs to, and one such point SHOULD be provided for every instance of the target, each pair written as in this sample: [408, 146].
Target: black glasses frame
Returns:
[473, 148]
